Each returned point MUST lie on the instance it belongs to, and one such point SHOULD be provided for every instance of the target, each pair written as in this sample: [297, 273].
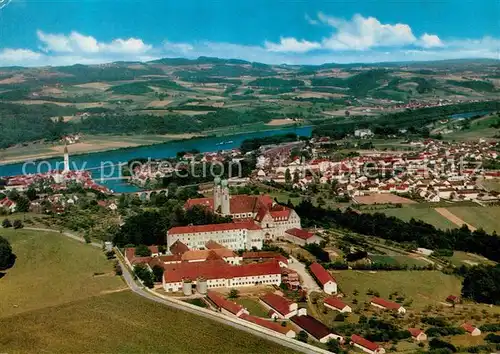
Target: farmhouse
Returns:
[387, 305]
[301, 237]
[273, 326]
[336, 304]
[283, 308]
[365, 345]
[417, 334]
[324, 278]
[225, 306]
[473, 331]
[315, 328]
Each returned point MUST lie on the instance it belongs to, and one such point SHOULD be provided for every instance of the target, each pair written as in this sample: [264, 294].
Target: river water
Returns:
[104, 164]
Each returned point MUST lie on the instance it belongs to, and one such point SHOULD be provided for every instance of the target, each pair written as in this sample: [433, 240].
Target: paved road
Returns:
[269, 336]
[309, 283]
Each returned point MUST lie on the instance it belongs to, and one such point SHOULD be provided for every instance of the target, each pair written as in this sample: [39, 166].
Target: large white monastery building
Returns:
[257, 218]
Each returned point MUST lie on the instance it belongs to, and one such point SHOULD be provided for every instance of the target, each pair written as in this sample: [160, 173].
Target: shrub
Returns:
[6, 223]
[18, 224]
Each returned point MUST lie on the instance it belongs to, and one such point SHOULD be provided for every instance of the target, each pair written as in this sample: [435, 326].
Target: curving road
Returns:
[140, 290]
[290, 343]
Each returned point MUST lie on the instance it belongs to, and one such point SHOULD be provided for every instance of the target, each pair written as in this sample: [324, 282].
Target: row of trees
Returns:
[414, 233]
[150, 227]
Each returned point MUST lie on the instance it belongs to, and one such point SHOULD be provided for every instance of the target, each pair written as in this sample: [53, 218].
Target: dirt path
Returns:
[453, 218]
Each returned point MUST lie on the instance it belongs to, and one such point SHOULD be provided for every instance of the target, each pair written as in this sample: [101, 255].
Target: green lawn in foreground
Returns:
[51, 302]
[487, 218]
[50, 270]
[423, 287]
[123, 323]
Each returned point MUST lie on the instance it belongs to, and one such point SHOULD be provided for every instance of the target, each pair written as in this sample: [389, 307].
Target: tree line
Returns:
[415, 232]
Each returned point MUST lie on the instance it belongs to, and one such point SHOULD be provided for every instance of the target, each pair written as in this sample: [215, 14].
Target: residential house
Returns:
[387, 305]
[473, 331]
[365, 345]
[336, 304]
[417, 334]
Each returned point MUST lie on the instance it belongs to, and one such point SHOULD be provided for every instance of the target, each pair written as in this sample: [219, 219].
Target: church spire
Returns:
[66, 158]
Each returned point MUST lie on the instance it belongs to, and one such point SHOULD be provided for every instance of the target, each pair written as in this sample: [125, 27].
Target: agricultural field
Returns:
[423, 288]
[62, 296]
[426, 214]
[487, 218]
[460, 258]
[123, 323]
[399, 260]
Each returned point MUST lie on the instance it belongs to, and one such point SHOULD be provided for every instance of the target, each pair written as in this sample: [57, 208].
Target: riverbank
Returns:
[104, 165]
[108, 143]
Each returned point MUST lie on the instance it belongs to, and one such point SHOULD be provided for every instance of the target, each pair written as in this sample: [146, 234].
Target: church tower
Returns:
[66, 159]
[217, 195]
[225, 207]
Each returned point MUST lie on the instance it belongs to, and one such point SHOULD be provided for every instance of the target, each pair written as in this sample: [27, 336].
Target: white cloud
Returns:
[430, 41]
[311, 21]
[78, 43]
[131, 46]
[290, 44]
[362, 33]
[177, 47]
[16, 56]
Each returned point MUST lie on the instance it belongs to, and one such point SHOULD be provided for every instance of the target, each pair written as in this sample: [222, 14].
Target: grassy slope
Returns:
[423, 287]
[123, 323]
[50, 270]
[62, 307]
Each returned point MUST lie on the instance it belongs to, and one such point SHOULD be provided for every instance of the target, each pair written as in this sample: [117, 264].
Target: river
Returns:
[105, 163]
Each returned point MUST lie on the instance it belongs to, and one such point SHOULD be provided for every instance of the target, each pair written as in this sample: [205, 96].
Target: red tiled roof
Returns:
[321, 274]
[220, 302]
[153, 249]
[211, 245]
[335, 302]
[302, 234]
[260, 255]
[386, 303]
[415, 332]
[364, 342]
[212, 228]
[468, 327]
[216, 269]
[178, 248]
[311, 325]
[278, 303]
[170, 258]
[273, 326]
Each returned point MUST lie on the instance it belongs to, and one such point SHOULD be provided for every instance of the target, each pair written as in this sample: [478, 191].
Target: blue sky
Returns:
[59, 32]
